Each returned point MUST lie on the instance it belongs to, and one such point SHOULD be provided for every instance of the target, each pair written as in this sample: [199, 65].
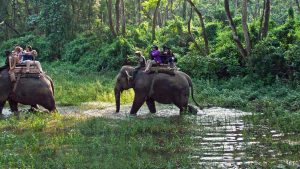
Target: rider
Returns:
[168, 56]
[141, 63]
[155, 58]
[6, 66]
[28, 59]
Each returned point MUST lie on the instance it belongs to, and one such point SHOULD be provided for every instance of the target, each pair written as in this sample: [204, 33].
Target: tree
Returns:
[110, 19]
[154, 21]
[204, 34]
[265, 19]
[245, 27]
[236, 38]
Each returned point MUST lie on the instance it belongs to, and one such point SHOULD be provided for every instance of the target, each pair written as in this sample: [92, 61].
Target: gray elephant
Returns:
[32, 91]
[160, 87]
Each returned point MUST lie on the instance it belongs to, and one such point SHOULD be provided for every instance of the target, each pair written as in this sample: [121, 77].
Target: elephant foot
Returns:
[132, 115]
[2, 117]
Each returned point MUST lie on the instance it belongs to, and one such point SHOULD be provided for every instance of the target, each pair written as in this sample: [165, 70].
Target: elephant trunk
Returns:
[117, 98]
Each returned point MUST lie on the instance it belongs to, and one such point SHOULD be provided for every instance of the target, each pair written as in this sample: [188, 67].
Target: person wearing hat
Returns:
[141, 59]
[155, 58]
[141, 63]
[6, 65]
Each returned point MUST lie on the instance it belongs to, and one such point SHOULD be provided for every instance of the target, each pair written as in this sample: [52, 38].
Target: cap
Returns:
[138, 52]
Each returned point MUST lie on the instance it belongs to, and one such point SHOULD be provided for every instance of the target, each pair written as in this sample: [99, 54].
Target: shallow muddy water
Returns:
[220, 136]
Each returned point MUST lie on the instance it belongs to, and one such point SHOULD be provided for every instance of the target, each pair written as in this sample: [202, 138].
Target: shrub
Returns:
[267, 59]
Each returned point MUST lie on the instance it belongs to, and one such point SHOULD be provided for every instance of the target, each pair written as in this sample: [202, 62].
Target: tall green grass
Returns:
[74, 85]
[56, 141]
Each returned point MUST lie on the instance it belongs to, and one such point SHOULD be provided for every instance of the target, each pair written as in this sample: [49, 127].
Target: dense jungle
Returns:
[243, 57]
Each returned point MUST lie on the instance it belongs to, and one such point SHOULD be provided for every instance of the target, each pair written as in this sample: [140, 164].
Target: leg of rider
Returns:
[38, 64]
[27, 62]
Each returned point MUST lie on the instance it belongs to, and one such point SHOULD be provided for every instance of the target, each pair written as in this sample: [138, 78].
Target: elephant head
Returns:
[123, 82]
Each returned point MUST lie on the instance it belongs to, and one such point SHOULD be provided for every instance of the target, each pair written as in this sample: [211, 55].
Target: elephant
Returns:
[159, 87]
[35, 90]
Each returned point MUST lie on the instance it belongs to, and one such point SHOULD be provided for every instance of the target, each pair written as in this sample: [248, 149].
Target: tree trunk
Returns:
[245, 27]
[123, 18]
[26, 3]
[265, 28]
[167, 11]
[110, 19]
[117, 8]
[237, 40]
[236, 4]
[138, 12]
[262, 20]
[155, 20]
[204, 34]
[184, 10]
[190, 31]
[298, 6]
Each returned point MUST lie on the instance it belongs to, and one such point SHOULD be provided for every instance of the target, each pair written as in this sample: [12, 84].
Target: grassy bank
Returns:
[56, 141]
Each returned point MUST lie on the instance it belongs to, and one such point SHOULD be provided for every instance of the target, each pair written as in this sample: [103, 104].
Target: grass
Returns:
[56, 141]
[74, 86]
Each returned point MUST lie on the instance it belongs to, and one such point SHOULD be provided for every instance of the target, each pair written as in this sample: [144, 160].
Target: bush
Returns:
[38, 43]
[292, 57]
[90, 52]
[267, 59]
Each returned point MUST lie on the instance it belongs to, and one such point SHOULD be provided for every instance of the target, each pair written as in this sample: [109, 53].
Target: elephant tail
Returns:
[51, 82]
[192, 91]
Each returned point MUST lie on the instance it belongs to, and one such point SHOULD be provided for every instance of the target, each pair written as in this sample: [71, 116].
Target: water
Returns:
[220, 139]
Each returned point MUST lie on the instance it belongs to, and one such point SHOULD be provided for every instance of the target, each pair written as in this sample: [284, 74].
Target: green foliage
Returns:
[38, 43]
[292, 57]
[268, 62]
[221, 64]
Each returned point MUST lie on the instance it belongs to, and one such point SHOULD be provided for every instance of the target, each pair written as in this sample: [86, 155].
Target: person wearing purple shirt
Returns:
[155, 58]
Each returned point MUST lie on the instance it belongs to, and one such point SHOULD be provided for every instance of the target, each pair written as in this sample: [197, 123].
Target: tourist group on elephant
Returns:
[22, 80]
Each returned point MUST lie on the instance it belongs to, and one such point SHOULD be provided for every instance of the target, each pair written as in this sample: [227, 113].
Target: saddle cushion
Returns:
[22, 70]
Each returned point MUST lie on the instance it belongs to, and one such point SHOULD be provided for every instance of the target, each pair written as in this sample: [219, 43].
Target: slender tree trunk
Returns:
[204, 34]
[265, 28]
[14, 9]
[137, 12]
[117, 8]
[167, 11]
[298, 6]
[245, 27]
[236, 4]
[11, 27]
[26, 3]
[155, 20]
[184, 10]
[237, 40]
[110, 19]
[262, 20]
[190, 31]
[171, 9]
[123, 17]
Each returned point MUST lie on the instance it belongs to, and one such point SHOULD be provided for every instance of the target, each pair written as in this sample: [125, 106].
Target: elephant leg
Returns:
[14, 107]
[182, 104]
[34, 108]
[151, 105]
[2, 103]
[137, 103]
